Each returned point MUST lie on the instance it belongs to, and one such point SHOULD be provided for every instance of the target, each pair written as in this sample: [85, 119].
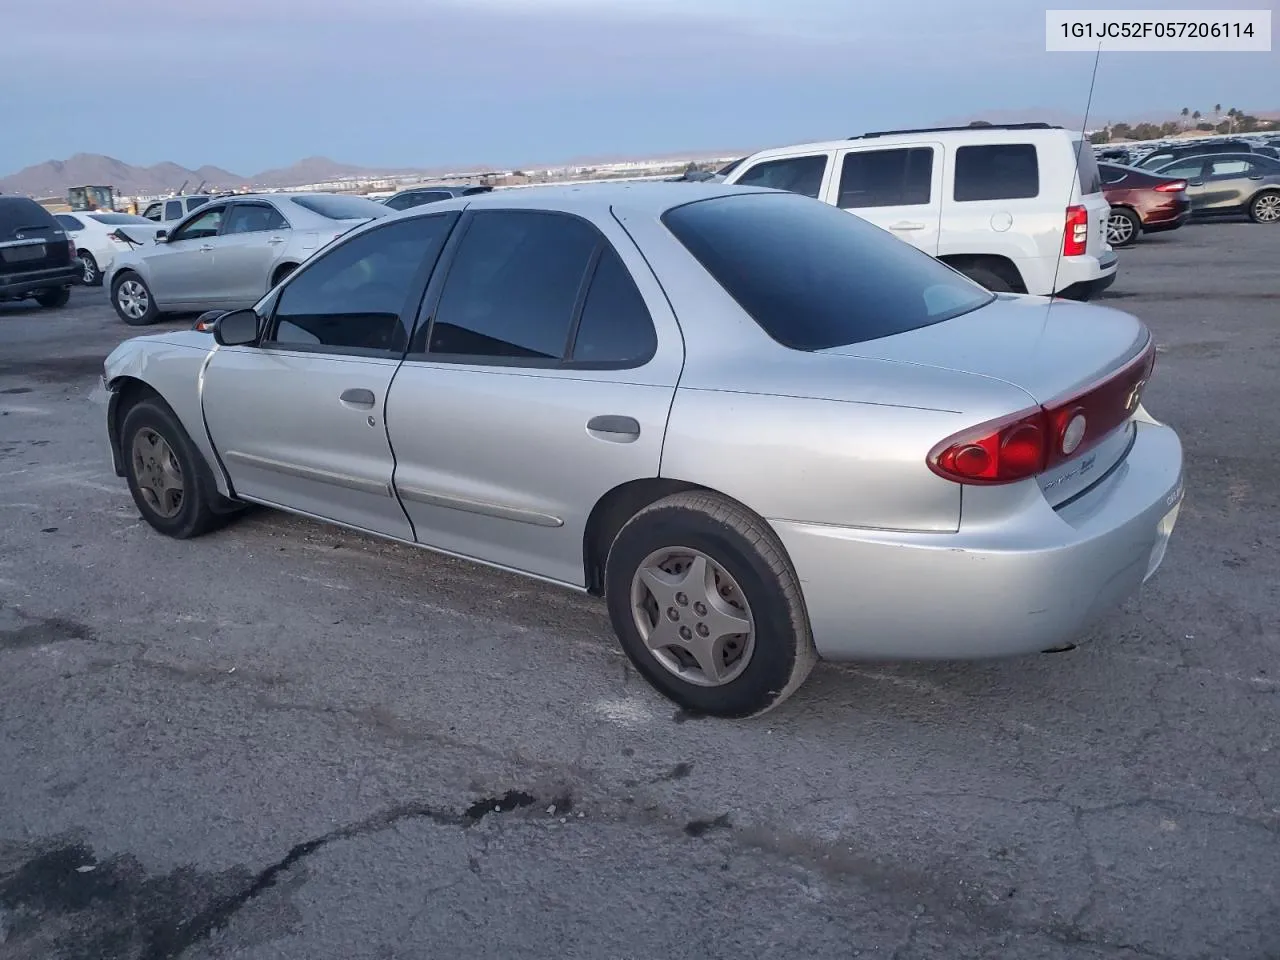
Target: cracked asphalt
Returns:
[289, 741]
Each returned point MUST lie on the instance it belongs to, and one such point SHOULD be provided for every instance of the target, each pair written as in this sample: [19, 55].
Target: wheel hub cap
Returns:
[1119, 229]
[1269, 209]
[157, 472]
[133, 299]
[693, 616]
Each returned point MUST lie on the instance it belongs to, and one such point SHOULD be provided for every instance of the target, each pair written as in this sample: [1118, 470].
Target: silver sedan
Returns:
[762, 430]
[228, 253]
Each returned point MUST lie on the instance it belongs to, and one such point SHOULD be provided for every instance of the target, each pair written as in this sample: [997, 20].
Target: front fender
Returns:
[170, 365]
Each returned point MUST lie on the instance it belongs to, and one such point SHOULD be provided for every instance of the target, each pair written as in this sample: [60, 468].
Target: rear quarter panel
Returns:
[172, 365]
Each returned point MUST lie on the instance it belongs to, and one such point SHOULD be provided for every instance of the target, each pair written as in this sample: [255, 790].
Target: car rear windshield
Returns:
[815, 277]
[116, 219]
[343, 208]
[1087, 168]
[19, 212]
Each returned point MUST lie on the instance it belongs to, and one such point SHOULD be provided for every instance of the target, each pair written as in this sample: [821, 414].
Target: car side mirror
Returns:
[162, 236]
[239, 328]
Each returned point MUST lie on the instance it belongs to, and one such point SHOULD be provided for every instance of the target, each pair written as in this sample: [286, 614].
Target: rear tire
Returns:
[132, 300]
[1123, 227]
[91, 275]
[169, 478]
[715, 565]
[1265, 207]
[55, 298]
[989, 279]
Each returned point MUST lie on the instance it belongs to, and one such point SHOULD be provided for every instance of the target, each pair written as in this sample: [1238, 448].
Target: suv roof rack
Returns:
[971, 126]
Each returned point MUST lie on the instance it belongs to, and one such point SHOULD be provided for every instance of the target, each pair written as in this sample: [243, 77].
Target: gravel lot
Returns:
[288, 741]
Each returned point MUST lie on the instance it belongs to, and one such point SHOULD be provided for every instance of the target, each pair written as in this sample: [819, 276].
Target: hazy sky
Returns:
[427, 82]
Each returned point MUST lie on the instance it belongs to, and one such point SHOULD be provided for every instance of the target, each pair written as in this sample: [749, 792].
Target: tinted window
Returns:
[814, 277]
[116, 219]
[337, 207]
[1229, 167]
[997, 171]
[202, 227]
[407, 200]
[1086, 168]
[886, 178]
[254, 218]
[193, 202]
[353, 296]
[1184, 170]
[68, 222]
[513, 286]
[802, 175]
[173, 210]
[615, 326]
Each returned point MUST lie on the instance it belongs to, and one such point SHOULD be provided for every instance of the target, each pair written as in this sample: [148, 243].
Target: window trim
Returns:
[444, 266]
[408, 312]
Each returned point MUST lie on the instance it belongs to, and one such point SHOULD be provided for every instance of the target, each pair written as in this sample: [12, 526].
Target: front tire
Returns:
[90, 274]
[1123, 227]
[1265, 207]
[132, 300]
[707, 606]
[55, 298]
[170, 481]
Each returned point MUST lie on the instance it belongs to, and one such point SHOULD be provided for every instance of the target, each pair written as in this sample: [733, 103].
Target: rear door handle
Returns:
[907, 226]
[615, 428]
[358, 397]
[276, 240]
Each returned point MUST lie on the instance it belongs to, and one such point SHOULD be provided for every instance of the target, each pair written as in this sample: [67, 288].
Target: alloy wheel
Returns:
[1119, 229]
[133, 299]
[692, 616]
[1267, 209]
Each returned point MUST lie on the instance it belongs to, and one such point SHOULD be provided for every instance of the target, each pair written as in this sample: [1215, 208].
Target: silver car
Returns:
[228, 253]
[763, 430]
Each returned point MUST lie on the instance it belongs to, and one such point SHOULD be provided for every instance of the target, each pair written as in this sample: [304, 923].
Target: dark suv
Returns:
[37, 259]
[417, 196]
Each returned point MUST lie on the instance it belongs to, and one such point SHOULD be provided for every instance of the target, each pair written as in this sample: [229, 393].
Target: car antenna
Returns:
[1084, 133]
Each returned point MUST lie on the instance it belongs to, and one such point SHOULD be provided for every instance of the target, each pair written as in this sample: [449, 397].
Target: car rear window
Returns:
[1087, 168]
[342, 208]
[815, 277]
[19, 212]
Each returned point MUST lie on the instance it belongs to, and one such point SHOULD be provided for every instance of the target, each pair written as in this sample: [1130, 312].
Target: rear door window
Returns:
[513, 287]
[802, 175]
[886, 178]
[1187, 170]
[997, 171]
[1229, 167]
[173, 210]
[814, 277]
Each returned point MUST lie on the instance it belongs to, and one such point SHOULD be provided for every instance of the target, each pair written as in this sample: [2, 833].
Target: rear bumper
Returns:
[1032, 582]
[33, 281]
[1080, 278]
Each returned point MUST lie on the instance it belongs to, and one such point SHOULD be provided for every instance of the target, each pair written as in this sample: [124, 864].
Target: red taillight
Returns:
[1076, 238]
[71, 246]
[1032, 441]
[1173, 186]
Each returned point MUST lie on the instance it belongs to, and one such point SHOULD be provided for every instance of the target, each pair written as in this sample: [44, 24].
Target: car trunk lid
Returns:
[1069, 359]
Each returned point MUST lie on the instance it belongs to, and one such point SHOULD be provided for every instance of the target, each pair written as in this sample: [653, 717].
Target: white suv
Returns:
[1017, 207]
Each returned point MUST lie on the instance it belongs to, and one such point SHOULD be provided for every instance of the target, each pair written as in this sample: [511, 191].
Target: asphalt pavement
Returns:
[288, 741]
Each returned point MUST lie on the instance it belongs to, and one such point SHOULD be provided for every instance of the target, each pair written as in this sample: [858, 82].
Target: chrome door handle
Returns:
[206, 248]
[358, 397]
[907, 226]
[615, 428]
[276, 240]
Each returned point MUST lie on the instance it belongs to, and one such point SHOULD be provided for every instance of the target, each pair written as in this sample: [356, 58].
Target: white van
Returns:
[1017, 207]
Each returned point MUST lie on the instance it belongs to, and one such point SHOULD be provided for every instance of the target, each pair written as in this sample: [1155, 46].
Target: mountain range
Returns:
[53, 177]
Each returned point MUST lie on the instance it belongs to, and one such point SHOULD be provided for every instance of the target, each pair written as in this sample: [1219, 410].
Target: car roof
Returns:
[967, 135]
[647, 198]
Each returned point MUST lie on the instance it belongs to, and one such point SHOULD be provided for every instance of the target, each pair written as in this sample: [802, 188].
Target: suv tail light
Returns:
[1076, 238]
[1040, 438]
[1173, 186]
[71, 248]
